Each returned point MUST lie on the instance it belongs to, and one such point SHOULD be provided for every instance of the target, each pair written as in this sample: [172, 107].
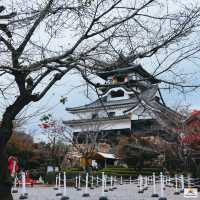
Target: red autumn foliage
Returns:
[192, 124]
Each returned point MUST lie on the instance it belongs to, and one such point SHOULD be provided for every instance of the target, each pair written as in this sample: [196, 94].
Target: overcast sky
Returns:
[50, 103]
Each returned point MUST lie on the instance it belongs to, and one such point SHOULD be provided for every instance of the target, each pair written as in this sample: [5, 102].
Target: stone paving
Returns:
[123, 192]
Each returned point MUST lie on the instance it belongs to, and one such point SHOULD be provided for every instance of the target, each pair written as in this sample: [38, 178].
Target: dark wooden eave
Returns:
[96, 120]
[104, 105]
[137, 68]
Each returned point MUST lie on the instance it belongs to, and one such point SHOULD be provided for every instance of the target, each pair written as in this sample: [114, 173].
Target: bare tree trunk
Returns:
[5, 134]
[5, 178]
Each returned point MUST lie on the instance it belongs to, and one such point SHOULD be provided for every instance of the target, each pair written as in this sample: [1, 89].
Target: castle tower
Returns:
[129, 103]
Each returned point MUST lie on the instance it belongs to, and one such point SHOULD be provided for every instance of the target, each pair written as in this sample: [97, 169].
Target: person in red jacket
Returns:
[13, 165]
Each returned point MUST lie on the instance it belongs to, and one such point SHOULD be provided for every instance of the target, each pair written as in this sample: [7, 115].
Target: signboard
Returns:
[52, 169]
[49, 169]
[190, 192]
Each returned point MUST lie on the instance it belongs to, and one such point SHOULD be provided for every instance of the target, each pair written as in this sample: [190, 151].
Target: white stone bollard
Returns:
[92, 183]
[56, 186]
[162, 196]
[140, 184]
[182, 184]
[151, 180]
[161, 185]
[86, 194]
[169, 182]
[138, 181]
[111, 184]
[166, 181]
[76, 182]
[188, 180]
[24, 194]
[154, 186]
[114, 183]
[64, 197]
[103, 184]
[97, 181]
[103, 197]
[148, 180]
[121, 181]
[176, 186]
[59, 193]
[79, 183]
[145, 183]
[15, 190]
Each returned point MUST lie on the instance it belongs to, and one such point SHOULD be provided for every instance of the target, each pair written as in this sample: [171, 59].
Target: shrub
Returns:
[73, 169]
[126, 172]
[36, 173]
[51, 177]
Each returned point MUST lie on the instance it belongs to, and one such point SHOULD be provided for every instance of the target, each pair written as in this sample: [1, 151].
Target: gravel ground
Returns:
[123, 192]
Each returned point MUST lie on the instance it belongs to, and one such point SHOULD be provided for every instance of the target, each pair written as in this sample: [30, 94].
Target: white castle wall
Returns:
[106, 125]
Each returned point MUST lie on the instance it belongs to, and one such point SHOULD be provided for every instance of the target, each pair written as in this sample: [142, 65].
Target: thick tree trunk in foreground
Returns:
[5, 134]
[5, 178]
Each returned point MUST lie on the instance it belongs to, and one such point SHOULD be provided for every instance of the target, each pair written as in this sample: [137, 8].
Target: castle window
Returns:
[118, 93]
[94, 115]
[120, 78]
[111, 114]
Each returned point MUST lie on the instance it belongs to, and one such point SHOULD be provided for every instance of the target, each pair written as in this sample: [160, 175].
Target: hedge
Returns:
[71, 173]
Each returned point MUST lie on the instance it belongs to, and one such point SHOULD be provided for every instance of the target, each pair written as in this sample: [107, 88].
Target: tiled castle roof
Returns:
[137, 68]
[103, 104]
